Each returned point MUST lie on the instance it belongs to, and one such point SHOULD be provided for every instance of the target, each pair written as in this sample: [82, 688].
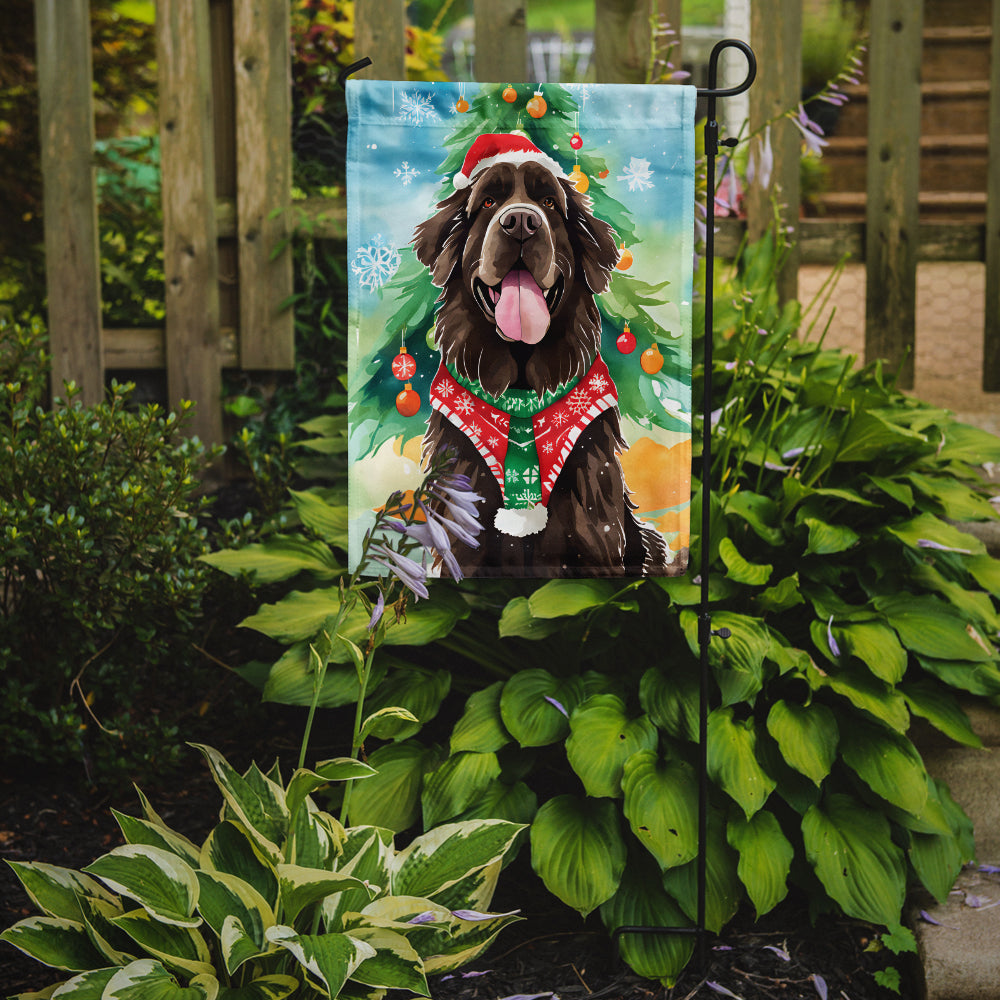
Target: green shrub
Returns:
[279, 900]
[99, 542]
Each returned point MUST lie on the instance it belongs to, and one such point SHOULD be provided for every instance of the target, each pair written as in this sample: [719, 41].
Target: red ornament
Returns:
[403, 366]
[575, 141]
[536, 106]
[509, 94]
[408, 401]
[626, 341]
[602, 174]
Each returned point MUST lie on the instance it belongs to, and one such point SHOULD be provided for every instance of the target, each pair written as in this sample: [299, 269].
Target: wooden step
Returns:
[956, 53]
[957, 206]
[945, 12]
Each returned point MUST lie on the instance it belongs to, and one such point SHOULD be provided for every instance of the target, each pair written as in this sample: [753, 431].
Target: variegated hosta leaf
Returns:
[56, 891]
[456, 784]
[158, 880]
[116, 946]
[177, 947]
[441, 857]
[468, 939]
[141, 831]
[230, 849]
[54, 941]
[395, 964]
[602, 737]
[256, 801]
[578, 851]
[481, 727]
[642, 902]
[807, 736]
[661, 799]
[850, 847]
[476, 890]
[304, 782]
[535, 706]
[86, 986]
[732, 760]
[315, 838]
[765, 858]
[367, 853]
[147, 979]
[275, 987]
[328, 959]
[225, 897]
[300, 887]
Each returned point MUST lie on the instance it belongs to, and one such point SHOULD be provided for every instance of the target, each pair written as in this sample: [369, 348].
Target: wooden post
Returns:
[893, 183]
[72, 255]
[262, 60]
[190, 254]
[380, 34]
[776, 35]
[501, 41]
[622, 40]
[991, 333]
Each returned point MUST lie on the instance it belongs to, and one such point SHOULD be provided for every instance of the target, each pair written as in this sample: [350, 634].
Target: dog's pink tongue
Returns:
[521, 311]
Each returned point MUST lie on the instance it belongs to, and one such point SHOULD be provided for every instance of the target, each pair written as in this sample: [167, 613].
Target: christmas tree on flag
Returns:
[608, 150]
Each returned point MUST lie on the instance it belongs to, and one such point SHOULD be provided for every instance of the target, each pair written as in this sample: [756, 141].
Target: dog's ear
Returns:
[595, 239]
[438, 242]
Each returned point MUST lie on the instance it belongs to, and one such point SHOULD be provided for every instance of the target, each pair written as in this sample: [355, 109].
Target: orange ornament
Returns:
[651, 360]
[408, 401]
[624, 259]
[509, 94]
[578, 179]
[461, 105]
[537, 106]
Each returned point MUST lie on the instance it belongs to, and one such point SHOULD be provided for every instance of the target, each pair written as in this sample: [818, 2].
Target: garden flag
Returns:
[520, 279]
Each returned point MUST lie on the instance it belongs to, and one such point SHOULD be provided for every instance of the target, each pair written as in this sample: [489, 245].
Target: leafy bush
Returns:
[279, 899]
[854, 604]
[99, 540]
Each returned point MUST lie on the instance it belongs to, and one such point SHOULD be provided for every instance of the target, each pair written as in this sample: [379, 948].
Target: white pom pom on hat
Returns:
[501, 147]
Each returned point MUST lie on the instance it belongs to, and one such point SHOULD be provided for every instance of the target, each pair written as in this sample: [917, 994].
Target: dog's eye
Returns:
[488, 203]
[548, 202]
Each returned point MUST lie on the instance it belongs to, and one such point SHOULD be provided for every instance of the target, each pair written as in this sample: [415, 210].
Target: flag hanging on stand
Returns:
[520, 270]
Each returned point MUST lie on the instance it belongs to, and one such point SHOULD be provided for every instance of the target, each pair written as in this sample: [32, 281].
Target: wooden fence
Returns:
[226, 162]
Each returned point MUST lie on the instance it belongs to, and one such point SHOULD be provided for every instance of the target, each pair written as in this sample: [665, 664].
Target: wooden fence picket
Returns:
[991, 331]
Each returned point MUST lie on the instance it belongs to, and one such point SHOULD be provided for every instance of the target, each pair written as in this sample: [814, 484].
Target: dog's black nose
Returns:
[520, 223]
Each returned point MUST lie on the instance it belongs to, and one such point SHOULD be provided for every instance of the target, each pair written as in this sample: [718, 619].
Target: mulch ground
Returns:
[551, 952]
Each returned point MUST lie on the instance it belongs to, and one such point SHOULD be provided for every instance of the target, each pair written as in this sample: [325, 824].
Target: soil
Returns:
[551, 952]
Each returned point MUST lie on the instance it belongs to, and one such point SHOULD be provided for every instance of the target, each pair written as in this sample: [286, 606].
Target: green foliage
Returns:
[280, 899]
[101, 587]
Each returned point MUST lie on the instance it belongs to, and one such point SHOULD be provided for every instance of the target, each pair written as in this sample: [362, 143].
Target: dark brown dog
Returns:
[518, 257]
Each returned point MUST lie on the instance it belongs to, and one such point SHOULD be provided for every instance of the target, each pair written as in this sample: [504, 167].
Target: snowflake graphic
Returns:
[475, 430]
[403, 366]
[547, 447]
[578, 400]
[376, 263]
[464, 404]
[559, 417]
[445, 389]
[512, 476]
[405, 172]
[599, 383]
[638, 174]
[503, 421]
[415, 109]
[493, 441]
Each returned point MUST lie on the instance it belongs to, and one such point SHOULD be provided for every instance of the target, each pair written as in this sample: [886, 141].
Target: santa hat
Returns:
[501, 147]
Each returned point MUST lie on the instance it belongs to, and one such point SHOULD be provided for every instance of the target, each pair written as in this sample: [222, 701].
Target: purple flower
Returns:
[475, 915]
[811, 132]
[761, 163]
[780, 952]
[820, 983]
[834, 648]
[927, 543]
[377, 612]
[411, 573]
[719, 988]
[552, 701]
[427, 917]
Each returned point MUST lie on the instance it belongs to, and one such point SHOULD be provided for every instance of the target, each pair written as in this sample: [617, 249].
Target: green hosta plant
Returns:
[279, 900]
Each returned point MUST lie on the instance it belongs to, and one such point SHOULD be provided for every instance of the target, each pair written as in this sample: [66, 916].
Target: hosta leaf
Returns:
[529, 706]
[517, 620]
[732, 760]
[937, 860]
[141, 831]
[866, 692]
[602, 738]
[418, 691]
[986, 571]
[783, 595]
[888, 763]
[671, 699]
[327, 520]
[876, 646]
[230, 849]
[516, 803]
[391, 798]
[481, 728]
[225, 897]
[54, 941]
[641, 901]
[456, 784]
[329, 959]
[850, 848]
[723, 889]
[159, 881]
[931, 628]
[807, 736]
[367, 856]
[389, 723]
[56, 891]
[304, 782]
[928, 528]
[941, 709]
[441, 857]
[466, 941]
[147, 979]
[301, 887]
[559, 598]
[395, 964]
[274, 987]
[827, 539]
[98, 916]
[738, 661]
[739, 569]
[180, 948]
[661, 798]
[765, 858]
[870, 435]
[578, 851]
[291, 680]
[957, 501]
[976, 678]
[760, 512]
[279, 558]
[87, 986]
